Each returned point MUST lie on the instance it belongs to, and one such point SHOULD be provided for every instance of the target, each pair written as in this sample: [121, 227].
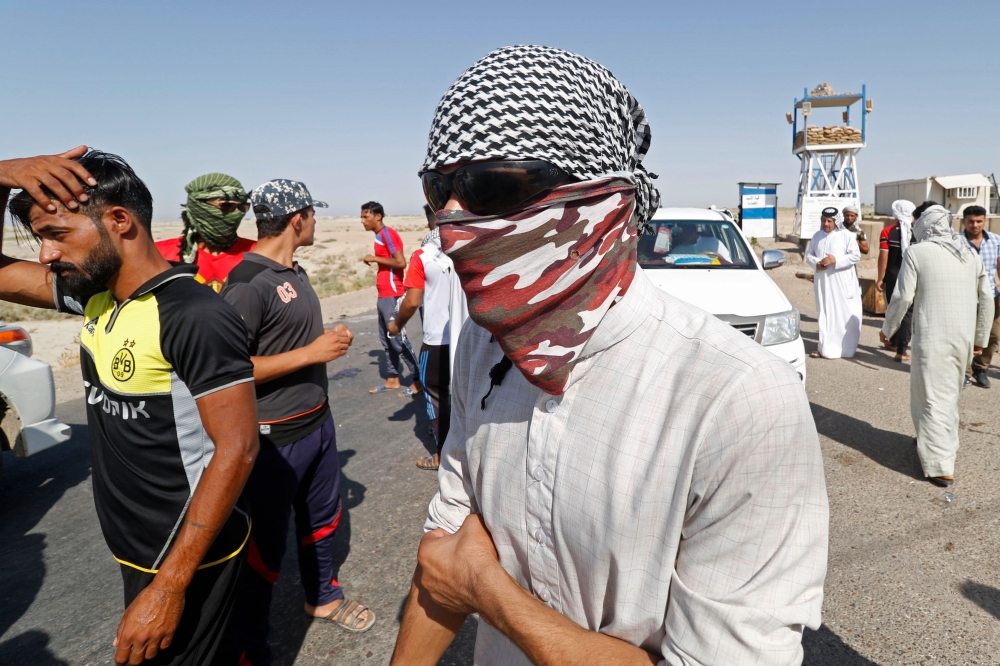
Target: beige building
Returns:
[953, 192]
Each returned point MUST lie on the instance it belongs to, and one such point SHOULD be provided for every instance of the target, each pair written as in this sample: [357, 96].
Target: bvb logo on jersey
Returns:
[123, 365]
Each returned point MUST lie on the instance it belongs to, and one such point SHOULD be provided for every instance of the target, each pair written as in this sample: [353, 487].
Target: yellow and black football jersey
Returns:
[145, 363]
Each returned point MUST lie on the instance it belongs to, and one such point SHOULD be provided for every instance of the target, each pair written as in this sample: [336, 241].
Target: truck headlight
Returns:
[781, 327]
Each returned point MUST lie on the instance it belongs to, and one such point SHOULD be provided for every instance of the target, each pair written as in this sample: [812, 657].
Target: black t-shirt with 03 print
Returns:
[145, 363]
[282, 313]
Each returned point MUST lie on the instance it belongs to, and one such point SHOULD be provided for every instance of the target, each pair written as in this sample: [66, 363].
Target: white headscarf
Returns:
[902, 210]
[935, 226]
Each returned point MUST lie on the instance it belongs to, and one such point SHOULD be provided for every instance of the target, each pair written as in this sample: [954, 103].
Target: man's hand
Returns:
[58, 173]
[976, 351]
[148, 624]
[453, 567]
[879, 285]
[393, 328]
[333, 344]
[369, 259]
[882, 338]
[828, 260]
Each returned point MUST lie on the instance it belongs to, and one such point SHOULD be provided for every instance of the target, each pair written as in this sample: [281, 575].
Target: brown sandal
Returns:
[348, 616]
[428, 463]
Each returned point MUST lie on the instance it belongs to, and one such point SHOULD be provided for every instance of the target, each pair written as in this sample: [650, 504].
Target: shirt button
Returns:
[540, 535]
[543, 594]
[551, 405]
[538, 474]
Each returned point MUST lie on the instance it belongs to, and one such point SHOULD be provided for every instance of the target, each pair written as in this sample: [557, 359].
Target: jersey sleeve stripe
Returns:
[227, 384]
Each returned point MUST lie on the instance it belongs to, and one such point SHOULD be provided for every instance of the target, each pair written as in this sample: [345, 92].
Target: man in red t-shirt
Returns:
[391, 261]
[215, 206]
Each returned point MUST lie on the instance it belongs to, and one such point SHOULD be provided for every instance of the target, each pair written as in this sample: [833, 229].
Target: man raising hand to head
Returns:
[170, 403]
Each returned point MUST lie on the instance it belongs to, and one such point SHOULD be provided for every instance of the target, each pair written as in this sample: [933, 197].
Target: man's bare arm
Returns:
[230, 419]
[458, 574]
[397, 260]
[411, 301]
[426, 631]
[28, 282]
[883, 264]
[331, 345]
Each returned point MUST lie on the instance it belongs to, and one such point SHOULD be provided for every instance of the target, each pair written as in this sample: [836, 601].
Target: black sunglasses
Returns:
[231, 206]
[491, 188]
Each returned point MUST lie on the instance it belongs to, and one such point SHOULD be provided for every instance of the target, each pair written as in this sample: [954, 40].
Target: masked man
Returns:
[626, 478]
[945, 283]
[832, 253]
[215, 206]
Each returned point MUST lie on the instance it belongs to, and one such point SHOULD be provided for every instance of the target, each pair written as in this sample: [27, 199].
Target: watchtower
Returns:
[828, 155]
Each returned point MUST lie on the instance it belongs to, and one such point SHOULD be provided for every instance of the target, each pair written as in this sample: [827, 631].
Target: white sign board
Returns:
[759, 200]
[812, 209]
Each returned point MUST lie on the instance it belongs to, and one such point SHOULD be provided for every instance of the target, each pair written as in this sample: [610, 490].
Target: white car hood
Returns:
[744, 293]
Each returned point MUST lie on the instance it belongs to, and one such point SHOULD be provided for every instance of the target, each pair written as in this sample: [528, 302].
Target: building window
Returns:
[963, 192]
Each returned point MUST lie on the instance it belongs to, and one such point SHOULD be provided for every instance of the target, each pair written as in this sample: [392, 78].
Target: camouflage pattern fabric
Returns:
[541, 280]
[539, 103]
[205, 222]
[281, 197]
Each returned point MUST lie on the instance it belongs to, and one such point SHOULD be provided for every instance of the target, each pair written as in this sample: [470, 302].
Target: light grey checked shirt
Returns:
[672, 497]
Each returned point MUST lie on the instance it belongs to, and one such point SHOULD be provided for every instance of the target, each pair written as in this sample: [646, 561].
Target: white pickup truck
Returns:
[702, 257]
[27, 398]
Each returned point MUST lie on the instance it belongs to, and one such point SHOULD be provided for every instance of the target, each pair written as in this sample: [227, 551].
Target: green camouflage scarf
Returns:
[205, 222]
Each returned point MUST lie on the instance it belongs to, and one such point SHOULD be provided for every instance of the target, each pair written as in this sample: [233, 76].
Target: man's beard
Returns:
[93, 274]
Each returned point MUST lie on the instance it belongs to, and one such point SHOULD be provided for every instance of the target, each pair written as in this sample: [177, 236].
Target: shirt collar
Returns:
[270, 263]
[986, 239]
[179, 271]
[624, 317]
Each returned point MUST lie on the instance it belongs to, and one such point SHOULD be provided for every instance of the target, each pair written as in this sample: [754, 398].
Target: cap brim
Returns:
[320, 204]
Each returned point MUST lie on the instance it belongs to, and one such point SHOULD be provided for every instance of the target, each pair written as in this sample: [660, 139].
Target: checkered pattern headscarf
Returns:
[536, 102]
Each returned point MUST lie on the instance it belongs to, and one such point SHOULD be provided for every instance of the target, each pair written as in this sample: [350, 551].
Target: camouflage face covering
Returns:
[541, 279]
[208, 223]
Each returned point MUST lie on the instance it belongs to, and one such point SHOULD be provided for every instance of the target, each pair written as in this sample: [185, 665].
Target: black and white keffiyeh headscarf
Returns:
[535, 102]
[935, 226]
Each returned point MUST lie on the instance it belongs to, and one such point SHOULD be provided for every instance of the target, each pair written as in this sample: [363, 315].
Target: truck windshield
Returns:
[693, 244]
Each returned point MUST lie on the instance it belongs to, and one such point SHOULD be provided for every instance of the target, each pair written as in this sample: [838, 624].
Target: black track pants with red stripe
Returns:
[304, 475]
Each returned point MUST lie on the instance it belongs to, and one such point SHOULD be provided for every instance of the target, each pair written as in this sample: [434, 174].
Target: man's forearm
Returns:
[234, 431]
[883, 263]
[407, 308]
[213, 501]
[426, 631]
[546, 637]
[389, 262]
[267, 368]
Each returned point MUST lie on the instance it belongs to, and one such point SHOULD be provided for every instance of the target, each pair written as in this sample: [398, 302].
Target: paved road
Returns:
[910, 581]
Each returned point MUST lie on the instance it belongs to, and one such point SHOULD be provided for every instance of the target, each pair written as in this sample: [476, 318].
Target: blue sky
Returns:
[340, 95]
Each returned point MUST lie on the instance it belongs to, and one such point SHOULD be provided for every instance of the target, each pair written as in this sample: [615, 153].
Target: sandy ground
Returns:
[341, 242]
